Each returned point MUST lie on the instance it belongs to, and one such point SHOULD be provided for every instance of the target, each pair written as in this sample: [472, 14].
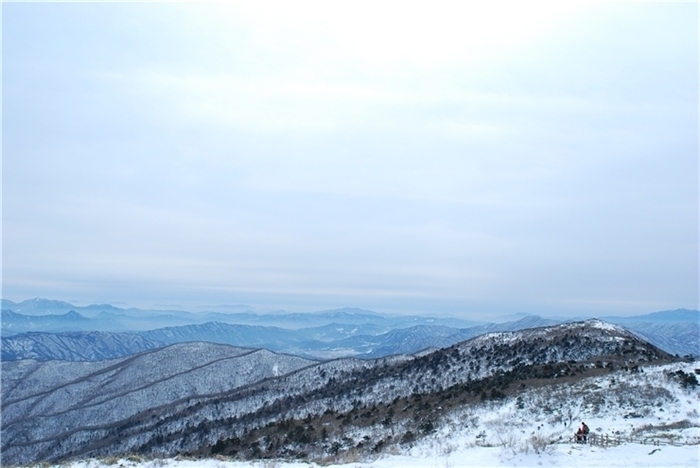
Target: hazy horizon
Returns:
[457, 159]
[244, 309]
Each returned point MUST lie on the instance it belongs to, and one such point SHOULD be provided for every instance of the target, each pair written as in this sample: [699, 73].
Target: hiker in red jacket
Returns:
[582, 433]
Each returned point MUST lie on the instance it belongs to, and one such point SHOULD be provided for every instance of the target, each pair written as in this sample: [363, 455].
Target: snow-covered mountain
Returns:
[682, 338]
[43, 399]
[75, 346]
[203, 398]
[524, 430]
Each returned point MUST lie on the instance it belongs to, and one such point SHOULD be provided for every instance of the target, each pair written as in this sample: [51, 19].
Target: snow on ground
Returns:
[564, 455]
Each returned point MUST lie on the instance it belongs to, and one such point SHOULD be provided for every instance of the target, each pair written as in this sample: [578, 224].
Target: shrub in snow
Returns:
[539, 444]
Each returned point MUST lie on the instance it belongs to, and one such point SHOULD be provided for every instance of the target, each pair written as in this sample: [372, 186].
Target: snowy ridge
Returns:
[584, 328]
[604, 325]
[189, 398]
[527, 430]
[75, 346]
[41, 399]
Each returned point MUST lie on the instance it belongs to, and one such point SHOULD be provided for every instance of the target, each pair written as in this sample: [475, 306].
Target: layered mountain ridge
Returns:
[329, 341]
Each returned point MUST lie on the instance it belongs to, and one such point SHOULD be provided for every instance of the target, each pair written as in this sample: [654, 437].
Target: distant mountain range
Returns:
[670, 330]
[665, 316]
[44, 329]
[327, 342]
[105, 317]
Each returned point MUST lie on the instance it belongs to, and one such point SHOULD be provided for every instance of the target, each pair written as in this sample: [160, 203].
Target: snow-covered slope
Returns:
[189, 398]
[652, 415]
[677, 338]
[623, 456]
[41, 400]
[75, 346]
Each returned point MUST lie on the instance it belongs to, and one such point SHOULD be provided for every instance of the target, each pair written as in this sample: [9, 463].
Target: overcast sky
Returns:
[465, 159]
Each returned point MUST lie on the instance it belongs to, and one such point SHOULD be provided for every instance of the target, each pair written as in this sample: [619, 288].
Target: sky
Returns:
[464, 159]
